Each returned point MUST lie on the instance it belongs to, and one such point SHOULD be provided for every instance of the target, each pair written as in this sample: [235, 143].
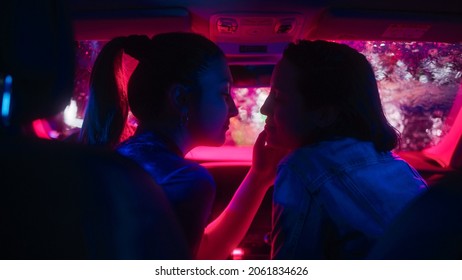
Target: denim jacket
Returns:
[188, 186]
[332, 200]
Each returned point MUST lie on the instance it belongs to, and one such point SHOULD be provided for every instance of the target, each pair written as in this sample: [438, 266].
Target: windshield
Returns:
[418, 83]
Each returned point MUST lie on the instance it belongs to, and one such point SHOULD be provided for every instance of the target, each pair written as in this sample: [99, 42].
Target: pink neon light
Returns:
[224, 153]
[238, 252]
[41, 128]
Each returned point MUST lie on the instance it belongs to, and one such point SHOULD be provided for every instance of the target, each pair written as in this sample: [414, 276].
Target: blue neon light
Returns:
[6, 97]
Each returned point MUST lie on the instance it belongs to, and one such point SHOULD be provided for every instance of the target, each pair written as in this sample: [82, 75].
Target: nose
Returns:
[266, 107]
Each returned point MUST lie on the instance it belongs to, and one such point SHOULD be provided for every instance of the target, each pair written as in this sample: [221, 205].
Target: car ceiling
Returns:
[403, 20]
[205, 8]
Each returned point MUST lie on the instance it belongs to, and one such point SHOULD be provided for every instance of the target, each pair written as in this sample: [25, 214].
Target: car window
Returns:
[418, 83]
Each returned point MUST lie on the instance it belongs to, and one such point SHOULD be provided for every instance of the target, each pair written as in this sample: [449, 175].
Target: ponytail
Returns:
[166, 59]
[107, 110]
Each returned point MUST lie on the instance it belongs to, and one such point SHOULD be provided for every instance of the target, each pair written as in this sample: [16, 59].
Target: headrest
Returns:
[37, 51]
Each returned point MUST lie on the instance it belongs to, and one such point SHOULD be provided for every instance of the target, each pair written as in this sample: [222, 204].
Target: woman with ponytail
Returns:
[180, 96]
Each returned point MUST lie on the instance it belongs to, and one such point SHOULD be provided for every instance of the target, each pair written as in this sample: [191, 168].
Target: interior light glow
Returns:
[237, 254]
[223, 153]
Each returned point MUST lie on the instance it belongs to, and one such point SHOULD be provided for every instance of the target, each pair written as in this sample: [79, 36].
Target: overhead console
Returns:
[260, 37]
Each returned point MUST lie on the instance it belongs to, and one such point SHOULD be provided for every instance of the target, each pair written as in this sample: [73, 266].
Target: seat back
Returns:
[60, 201]
[430, 228]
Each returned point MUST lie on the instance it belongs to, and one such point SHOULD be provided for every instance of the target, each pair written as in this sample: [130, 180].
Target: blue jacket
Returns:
[189, 186]
[332, 200]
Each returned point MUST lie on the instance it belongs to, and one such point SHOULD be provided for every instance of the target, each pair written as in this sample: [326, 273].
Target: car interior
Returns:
[61, 201]
[414, 46]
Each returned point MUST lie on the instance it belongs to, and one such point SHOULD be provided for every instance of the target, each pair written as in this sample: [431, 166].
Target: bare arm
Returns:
[223, 234]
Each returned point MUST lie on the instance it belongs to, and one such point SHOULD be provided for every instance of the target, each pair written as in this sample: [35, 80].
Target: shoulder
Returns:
[323, 149]
[195, 172]
[318, 162]
[170, 170]
[188, 179]
[314, 158]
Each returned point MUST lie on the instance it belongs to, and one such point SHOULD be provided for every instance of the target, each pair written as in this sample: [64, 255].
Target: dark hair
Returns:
[164, 60]
[333, 74]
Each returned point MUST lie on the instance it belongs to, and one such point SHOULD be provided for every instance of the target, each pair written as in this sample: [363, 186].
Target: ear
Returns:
[179, 97]
[325, 116]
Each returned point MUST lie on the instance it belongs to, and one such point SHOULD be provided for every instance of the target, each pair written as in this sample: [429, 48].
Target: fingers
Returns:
[259, 149]
[261, 139]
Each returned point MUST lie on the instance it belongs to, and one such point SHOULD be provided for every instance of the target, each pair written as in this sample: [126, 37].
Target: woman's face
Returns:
[289, 123]
[215, 107]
